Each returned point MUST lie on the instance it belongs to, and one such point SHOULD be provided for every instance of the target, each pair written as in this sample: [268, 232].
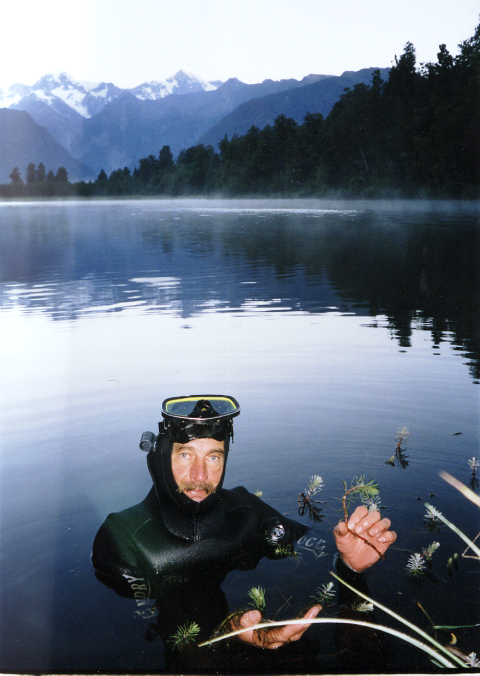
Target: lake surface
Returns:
[334, 325]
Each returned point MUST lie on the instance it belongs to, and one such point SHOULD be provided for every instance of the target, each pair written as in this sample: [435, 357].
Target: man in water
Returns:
[178, 545]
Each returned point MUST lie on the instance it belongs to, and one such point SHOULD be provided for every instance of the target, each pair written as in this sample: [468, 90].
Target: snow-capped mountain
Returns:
[88, 99]
[180, 83]
[57, 89]
[104, 127]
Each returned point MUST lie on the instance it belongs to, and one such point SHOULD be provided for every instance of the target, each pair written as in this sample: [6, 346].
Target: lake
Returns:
[335, 325]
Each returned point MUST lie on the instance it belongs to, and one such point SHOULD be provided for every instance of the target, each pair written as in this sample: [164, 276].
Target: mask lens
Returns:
[183, 407]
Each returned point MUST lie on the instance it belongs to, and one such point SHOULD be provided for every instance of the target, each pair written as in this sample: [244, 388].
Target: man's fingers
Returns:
[250, 618]
[341, 529]
[388, 537]
[313, 612]
[309, 615]
[365, 522]
[293, 632]
[381, 532]
[359, 521]
[275, 638]
[359, 514]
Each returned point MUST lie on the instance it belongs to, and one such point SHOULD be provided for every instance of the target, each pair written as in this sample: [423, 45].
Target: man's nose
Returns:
[199, 470]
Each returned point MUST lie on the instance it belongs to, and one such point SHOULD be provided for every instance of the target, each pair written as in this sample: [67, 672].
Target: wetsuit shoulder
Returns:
[115, 548]
[277, 532]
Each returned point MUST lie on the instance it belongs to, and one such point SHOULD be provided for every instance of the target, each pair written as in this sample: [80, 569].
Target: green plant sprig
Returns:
[257, 594]
[324, 594]
[185, 634]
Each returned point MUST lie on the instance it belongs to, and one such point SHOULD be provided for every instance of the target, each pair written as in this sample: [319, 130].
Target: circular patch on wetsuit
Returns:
[277, 533]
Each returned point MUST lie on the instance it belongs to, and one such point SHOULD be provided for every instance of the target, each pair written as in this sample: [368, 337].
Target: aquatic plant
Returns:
[324, 594]
[402, 437]
[363, 607]
[456, 530]
[372, 504]
[428, 552]
[432, 513]
[257, 594]
[416, 565]
[366, 491]
[474, 464]
[472, 661]
[287, 550]
[314, 485]
[185, 634]
[448, 660]
[441, 655]
[306, 502]
[400, 455]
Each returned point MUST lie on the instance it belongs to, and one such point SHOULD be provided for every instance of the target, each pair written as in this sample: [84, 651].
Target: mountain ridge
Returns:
[88, 98]
[101, 126]
[23, 141]
[313, 97]
[129, 128]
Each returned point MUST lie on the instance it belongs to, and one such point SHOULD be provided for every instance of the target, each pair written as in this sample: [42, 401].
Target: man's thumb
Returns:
[250, 618]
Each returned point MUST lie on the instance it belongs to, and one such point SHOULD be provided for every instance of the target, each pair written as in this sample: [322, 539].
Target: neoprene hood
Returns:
[187, 418]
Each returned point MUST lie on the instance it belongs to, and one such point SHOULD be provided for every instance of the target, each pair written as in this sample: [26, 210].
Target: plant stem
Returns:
[439, 646]
[329, 620]
[470, 495]
[456, 530]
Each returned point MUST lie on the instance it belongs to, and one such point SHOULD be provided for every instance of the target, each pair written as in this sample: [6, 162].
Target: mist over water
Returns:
[334, 325]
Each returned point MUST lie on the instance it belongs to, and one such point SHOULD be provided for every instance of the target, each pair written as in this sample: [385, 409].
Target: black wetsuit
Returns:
[176, 552]
[136, 543]
[135, 554]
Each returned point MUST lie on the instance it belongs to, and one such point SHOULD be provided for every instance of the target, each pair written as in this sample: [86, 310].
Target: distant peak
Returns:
[233, 81]
[313, 77]
[52, 80]
[56, 75]
[181, 74]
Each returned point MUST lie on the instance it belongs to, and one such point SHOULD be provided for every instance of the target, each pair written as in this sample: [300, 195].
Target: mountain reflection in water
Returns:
[417, 269]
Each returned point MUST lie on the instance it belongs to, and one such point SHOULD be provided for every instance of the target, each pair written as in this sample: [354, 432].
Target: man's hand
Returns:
[272, 638]
[355, 552]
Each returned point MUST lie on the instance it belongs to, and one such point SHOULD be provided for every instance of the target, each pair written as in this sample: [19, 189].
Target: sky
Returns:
[129, 42]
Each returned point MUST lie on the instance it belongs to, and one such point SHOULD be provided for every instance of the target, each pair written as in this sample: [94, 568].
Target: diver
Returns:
[180, 542]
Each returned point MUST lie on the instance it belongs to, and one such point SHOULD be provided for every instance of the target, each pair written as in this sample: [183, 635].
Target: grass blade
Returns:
[422, 633]
[470, 495]
[460, 534]
[328, 620]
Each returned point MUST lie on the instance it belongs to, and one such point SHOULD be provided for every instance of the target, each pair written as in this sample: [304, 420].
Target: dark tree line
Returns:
[416, 134]
[38, 183]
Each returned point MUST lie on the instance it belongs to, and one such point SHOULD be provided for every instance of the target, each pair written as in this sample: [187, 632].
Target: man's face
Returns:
[197, 467]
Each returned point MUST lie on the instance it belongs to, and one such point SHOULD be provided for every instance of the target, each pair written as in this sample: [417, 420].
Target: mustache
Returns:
[195, 485]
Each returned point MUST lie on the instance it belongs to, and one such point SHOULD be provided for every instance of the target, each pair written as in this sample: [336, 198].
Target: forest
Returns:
[416, 134]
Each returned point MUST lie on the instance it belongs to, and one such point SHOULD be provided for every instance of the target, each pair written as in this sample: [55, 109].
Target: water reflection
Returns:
[307, 317]
[420, 270]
